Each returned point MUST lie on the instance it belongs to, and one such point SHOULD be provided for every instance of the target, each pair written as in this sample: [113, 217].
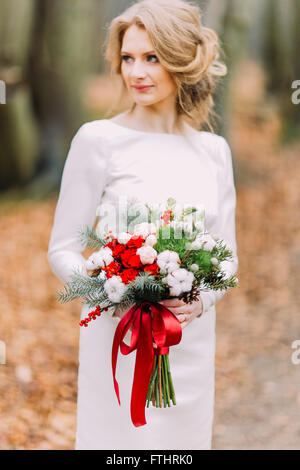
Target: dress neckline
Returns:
[150, 132]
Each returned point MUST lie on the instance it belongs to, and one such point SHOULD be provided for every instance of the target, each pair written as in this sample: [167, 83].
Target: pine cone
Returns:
[190, 297]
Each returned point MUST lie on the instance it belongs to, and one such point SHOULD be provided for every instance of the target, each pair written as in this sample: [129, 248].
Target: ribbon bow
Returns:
[166, 331]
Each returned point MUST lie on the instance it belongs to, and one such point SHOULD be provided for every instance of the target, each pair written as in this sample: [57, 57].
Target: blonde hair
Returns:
[188, 50]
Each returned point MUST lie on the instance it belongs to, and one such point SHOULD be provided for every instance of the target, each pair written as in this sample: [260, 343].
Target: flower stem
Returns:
[159, 381]
[153, 396]
[163, 382]
[171, 382]
[186, 255]
[156, 392]
[151, 382]
[166, 380]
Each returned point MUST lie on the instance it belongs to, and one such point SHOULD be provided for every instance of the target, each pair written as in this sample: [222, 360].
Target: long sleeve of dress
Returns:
[83, 181]
[225, 228]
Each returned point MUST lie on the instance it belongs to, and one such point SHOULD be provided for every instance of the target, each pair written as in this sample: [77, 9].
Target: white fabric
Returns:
[107, 160]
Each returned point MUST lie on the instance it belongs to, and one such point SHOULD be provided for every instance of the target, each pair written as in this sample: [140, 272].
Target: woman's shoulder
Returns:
[210, 138]
[216, 146]
[95, 128]
[214, 143]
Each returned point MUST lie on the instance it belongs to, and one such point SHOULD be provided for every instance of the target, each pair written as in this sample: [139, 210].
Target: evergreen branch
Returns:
[89, 238]
[81, 286]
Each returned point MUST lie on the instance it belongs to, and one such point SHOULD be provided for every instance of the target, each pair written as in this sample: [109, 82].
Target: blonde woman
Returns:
[169, 64]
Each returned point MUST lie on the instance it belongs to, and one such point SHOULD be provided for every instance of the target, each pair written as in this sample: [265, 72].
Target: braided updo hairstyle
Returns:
[188, 50]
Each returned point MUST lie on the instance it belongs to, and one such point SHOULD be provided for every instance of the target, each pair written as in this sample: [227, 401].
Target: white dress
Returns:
[106, 160]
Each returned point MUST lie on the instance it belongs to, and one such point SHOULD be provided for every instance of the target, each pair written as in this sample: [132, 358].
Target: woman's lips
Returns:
[142, 88]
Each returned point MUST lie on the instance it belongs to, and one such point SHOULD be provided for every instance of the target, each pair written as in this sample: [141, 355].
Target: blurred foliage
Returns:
[51, 59]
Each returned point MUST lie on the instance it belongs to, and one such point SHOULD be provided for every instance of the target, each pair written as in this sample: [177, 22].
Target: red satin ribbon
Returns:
[166, 331]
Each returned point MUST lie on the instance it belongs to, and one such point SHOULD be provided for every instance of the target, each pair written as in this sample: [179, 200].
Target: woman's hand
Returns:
[185, 313]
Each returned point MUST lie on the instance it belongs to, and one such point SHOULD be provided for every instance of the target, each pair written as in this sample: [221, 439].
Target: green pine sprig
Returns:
[89, 238]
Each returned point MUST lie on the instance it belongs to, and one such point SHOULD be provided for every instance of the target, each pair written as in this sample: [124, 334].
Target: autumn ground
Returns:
[257, 385]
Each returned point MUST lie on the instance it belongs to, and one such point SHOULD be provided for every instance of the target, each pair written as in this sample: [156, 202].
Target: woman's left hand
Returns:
[185, 313]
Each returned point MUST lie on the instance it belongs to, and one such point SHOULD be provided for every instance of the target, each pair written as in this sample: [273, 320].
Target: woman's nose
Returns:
[138, 70]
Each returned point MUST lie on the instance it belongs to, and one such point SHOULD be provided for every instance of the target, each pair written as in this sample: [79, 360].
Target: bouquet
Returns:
[171, 256]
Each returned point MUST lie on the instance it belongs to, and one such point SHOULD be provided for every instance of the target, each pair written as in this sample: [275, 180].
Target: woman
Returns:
[169, 65]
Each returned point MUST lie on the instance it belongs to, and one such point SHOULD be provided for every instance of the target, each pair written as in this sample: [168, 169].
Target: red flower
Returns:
[116, 252]
[152, 268]
[166, 217]
[135, 241]
[112, 244]
[128, 275]
[130, 259]
[111, 269]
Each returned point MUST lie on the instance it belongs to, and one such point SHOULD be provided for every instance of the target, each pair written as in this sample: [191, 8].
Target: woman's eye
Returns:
[125, 57]
[155, 57]
[149, 57]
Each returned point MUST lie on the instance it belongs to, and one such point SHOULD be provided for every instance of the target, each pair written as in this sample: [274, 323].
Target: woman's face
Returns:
[146, 79]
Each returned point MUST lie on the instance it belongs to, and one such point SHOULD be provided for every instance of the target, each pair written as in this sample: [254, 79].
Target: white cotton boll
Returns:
[172, 267]
[163, 256]
[94, 261]
[214, 261]
[89, 265]
[185, 286]
[209, 245]
[114, 288]
[163, 268]
[124, 237]
[173, 257]
[180, 280]
[194, 267]
[168, 260]
[175, 291]
[144, 229]
[196, 244]
[151, 240]
[189, 276]
[147, 254]
[209, 242]
[105, 256]
[180, 274]
[171, 280]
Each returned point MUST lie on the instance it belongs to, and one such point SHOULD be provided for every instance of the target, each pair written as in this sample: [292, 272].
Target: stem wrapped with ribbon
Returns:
[150, 322]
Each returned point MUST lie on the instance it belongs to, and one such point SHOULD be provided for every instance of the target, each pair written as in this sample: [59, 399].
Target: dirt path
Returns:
[257, 386]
